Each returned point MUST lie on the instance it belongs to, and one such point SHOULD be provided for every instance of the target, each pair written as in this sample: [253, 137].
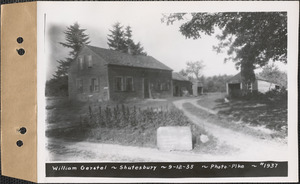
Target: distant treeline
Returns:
[215, 83]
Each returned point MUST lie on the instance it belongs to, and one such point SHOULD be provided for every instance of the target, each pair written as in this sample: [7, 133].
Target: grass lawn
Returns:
[211, 100]
[254, 111]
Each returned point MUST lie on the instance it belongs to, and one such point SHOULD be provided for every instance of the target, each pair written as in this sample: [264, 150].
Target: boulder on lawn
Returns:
[204, 138]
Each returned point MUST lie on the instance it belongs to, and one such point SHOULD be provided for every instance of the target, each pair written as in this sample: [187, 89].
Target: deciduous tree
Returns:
[272, 73]
[251, 39]
[194, 69]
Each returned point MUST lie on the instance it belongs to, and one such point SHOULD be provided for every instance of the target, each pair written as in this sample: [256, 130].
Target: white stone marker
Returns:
[174, 138]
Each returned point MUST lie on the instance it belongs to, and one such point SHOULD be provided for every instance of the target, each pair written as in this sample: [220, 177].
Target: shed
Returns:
[236, 87]
[197, 88]
[181, 85]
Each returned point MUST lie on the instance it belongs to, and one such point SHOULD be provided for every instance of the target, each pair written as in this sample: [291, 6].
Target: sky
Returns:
[161, 41]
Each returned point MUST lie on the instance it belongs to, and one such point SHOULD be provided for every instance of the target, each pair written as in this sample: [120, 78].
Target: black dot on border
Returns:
[21, 51]
[22, 130]
[19, 143]
[20, 40]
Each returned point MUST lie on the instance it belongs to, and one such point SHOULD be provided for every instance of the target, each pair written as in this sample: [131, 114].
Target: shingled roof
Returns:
[238, 78]
[118, 58]
[177, 76]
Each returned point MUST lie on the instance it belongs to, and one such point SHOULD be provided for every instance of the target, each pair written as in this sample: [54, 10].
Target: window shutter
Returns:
[91, 85]
[97, 84]
[123, 84]
[132, 84]
[119, 83]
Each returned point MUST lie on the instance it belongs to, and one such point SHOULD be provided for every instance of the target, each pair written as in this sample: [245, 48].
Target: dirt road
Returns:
[246, 147]
[89, 151]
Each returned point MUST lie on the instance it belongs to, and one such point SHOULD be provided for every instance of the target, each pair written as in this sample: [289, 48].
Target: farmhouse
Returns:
[235, 86]
[181, 85]
[102, 74]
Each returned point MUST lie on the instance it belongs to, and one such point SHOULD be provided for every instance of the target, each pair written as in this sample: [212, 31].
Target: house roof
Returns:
[238, 78]
[198, 83]
[177, 76]
[118, 58]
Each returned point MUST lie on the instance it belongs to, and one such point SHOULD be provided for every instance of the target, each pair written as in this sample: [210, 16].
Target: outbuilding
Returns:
[181, 85]
[236, 87]
[197, 88]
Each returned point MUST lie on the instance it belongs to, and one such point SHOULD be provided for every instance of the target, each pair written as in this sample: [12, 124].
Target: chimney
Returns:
[129, 51]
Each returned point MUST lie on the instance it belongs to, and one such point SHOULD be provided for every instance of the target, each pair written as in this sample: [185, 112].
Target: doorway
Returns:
[234, 89]
[176, 91]
[199, 90]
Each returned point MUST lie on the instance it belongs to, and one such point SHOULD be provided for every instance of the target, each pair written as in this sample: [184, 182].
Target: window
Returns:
[161, 86]
[80, 63]
[158, 86]
[94, 85]
[79, 85]
[119, 84]
[166, 86]
[89, 61]
[129, 84]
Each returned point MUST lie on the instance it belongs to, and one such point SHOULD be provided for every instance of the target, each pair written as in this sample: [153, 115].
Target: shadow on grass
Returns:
[75, 133]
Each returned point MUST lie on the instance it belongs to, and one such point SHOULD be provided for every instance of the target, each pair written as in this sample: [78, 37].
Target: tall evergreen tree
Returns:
[75, 39]
[134, 49]
[116, 39]
[128, 40]
[139, 50]
[121, 40]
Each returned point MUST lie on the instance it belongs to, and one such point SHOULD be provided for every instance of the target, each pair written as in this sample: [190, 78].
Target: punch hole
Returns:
[21, 51]
[19, 143]
[20, 40]
[22, 130]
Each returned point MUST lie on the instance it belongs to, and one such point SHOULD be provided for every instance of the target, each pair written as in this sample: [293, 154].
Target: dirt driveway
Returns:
[245, 147]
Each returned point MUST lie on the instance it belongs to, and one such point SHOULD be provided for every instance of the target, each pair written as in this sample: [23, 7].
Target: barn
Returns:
[181, 85]
[236, 87]
[99, 74]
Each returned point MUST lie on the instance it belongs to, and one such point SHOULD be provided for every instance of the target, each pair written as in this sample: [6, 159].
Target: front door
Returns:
[146, 88]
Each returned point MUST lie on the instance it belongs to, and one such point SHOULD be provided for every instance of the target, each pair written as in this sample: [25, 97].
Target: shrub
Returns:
[131, 125]
[116, 117]
[277, 95]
